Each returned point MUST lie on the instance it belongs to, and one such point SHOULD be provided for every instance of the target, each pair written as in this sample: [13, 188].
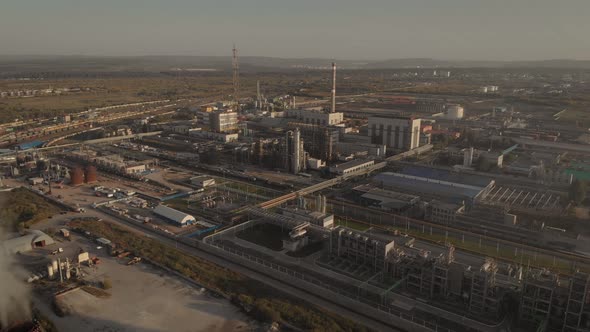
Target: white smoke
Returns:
[15, 303]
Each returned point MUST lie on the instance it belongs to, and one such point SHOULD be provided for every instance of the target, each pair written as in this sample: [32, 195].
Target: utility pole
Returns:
[236, 78]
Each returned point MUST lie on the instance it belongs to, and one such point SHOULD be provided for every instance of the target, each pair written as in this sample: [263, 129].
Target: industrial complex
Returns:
[408, 212]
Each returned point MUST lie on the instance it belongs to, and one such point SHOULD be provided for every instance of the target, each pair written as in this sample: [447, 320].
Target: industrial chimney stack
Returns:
[333, 109]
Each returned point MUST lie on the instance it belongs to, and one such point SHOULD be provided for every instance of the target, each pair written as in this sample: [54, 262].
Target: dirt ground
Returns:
[143, 298]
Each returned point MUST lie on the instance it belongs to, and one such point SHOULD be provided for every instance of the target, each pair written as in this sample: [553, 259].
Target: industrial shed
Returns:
[178, 217]
[25, 243]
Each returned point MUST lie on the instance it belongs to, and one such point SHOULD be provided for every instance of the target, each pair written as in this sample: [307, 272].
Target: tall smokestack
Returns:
[333, 109]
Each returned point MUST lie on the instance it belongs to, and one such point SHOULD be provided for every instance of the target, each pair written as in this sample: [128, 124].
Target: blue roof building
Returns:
[436, 184]
[30, 145]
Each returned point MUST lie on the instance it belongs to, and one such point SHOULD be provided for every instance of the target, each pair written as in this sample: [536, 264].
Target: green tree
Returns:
[577, 192]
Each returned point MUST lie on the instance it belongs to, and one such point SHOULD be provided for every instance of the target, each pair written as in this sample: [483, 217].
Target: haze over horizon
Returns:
[344, 29]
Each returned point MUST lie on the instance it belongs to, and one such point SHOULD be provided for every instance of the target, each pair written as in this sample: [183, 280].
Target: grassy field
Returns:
[21, 208]
[263, 302]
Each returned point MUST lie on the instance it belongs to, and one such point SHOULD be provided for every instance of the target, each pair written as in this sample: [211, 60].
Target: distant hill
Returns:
[39, 64]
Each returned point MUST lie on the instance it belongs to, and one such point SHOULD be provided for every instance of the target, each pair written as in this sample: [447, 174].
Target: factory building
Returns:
[397, 133]
[436, 184]
[33, 239]
[430, 106]
[295, 156]
[443, 213]
[446, 278]
[361, 149]
[319, 141]
[313, 217]
[454, 112]
[555, 303]
[223, 121]
[318, 118]
[177, 217]
[219, 137]
[360, 247]
[386, 200]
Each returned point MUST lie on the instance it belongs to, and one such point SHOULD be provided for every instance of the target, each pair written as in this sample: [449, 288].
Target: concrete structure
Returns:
[360, 247]
[319, 141]
[557, 304]
[223, 121]
[202, 181]
[454, 112]
[135, 169]
[316, 164]
[313, 217]
[351, 167]
[33, 239]
[387, 200]
[220, 137]
[361, 149]
[177, 217]
[443, 213]
[398, 133]
[316, 117]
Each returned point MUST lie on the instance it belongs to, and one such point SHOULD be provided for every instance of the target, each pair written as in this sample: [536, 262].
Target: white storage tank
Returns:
[50, 271]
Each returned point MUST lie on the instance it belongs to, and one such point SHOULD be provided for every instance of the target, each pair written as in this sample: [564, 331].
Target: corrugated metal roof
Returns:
[25, 243]
[173, 214]
[416, 184]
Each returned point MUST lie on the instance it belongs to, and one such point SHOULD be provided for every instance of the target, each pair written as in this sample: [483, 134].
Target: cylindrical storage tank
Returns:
[68, 273]
[455, 112]
[91, 174]
[50, 271]
[77, 176]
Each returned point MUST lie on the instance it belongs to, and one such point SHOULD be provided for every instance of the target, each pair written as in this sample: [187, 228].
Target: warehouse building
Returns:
[33, 239]
[436, 184]
[177, 217]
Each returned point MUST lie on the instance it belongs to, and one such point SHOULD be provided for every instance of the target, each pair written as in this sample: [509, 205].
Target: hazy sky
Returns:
[344, 29]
